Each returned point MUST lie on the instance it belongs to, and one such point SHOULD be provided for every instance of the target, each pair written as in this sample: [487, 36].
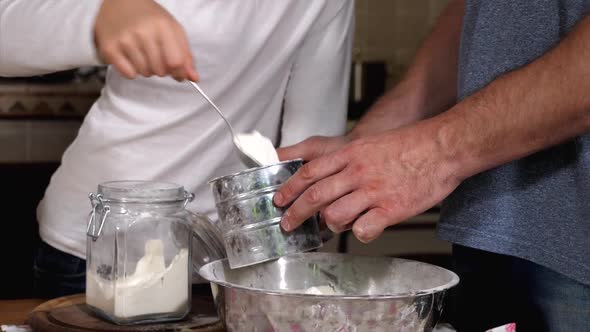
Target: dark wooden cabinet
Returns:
[22, 187]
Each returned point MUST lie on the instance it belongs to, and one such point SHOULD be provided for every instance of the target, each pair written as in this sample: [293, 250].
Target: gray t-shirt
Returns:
[538, 207]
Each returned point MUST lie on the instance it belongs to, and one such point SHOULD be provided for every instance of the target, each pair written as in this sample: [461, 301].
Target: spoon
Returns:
[246, 158]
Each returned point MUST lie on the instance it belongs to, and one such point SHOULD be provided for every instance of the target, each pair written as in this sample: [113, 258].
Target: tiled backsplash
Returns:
[39, 118]
[35, 140]
[66, 100]
[392, 30]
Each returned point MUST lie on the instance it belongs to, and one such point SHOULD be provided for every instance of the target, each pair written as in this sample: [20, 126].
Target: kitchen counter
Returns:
[15, 312]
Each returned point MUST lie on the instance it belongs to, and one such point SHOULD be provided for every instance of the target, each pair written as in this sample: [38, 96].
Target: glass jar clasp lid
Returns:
[188, 197]
[96, 202]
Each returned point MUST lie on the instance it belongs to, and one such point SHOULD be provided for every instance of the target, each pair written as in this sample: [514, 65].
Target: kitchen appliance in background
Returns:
[367, 83]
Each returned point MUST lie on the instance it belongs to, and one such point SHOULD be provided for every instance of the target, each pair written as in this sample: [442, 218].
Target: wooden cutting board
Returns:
[70, 313]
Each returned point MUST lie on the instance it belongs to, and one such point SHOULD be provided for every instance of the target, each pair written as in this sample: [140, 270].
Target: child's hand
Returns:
[139, 37]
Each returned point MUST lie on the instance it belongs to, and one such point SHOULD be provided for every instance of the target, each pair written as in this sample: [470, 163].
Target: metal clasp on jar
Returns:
[188, 197]
[97, 203]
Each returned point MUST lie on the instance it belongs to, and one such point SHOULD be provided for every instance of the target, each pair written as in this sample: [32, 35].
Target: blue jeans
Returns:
[57, 273]
[497, 289]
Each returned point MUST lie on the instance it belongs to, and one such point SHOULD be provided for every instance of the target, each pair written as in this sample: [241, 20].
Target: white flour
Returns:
[259, 147]
[151, 289]
[322, 290]
[316, 290]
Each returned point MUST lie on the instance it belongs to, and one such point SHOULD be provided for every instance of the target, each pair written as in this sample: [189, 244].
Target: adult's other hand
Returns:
[369, 183]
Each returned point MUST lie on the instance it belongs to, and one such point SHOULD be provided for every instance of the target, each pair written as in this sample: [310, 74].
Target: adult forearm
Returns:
[428, 87]
[377, 181]
[537, 106]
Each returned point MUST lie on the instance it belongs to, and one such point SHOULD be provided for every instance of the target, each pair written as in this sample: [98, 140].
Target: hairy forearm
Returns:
[537, 106]
[428, 87]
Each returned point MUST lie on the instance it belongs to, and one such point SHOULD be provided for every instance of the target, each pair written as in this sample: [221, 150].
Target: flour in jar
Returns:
[153, 288]
[259, 147]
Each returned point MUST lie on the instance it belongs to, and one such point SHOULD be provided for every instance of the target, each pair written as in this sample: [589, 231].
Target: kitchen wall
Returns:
[392, 30]
[32, 141]
[40, 118]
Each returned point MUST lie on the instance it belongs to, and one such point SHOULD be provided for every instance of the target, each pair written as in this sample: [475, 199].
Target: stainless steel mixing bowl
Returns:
[374, 294]
[251, 222]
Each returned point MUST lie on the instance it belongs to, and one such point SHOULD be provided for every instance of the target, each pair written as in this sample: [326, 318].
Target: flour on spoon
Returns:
[259, 147]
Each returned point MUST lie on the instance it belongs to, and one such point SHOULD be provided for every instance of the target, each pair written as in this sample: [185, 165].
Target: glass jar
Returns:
[139, 251]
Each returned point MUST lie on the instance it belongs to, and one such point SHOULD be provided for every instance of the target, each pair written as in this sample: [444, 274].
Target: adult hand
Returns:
[313, 147]
[370, 183]
[139, 37]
